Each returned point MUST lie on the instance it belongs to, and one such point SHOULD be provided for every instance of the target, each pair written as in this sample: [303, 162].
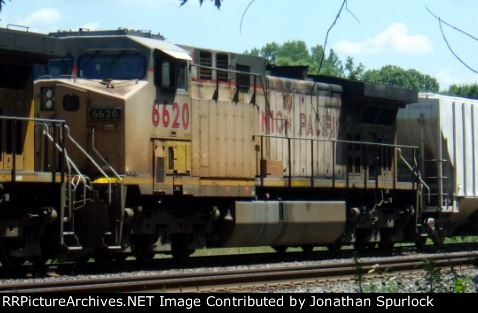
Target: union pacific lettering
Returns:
[278, 123]
[310, 125]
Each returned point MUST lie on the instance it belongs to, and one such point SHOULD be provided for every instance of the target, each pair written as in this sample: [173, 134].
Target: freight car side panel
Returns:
[446, 129]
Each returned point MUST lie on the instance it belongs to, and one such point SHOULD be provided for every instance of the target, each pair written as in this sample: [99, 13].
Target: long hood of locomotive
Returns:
[307, 112]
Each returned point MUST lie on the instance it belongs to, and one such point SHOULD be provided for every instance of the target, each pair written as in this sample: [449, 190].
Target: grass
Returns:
[461, 239]
[243, 250]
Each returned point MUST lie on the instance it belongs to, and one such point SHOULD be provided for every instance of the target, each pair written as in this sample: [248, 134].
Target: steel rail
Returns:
[213, 280]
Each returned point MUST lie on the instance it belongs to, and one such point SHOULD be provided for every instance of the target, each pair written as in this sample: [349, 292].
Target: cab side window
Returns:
[169, 73]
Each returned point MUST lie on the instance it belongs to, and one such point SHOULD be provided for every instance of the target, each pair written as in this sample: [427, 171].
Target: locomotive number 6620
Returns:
[174, 116]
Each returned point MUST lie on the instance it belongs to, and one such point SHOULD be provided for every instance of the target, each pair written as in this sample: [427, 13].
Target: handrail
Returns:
[224, 70]
[335, 142]
[379, 144]
[33, 119]
[70, 164]
[417, 174]
[70, 161]
[18, 26]
[93, 146]
[88, 156]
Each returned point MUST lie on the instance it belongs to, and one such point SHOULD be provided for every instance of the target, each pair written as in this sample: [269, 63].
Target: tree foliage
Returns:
[353, 71]
[297, 53]
[466, 91]
[217, 3]
[397, 76]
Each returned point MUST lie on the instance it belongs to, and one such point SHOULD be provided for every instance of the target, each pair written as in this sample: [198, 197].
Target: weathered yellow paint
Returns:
[24, 177]
[104, 180]
[182, 180]
[180, 152]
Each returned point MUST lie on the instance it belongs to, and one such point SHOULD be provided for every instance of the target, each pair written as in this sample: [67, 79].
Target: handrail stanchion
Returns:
[62, 158]
[290, 161]
[347, 169]
[365, 166]
[333, 163]
[261, 165]
[394, 164]
[312, 163]
[14, 150]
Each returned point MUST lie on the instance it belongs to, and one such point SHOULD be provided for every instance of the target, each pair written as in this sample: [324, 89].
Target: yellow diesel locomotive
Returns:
[150, 147]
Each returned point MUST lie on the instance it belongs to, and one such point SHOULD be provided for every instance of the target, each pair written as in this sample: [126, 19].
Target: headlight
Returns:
[48, 93]
[48, 104]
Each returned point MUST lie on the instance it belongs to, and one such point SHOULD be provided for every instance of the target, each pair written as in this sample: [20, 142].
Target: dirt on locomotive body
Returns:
[128, 144]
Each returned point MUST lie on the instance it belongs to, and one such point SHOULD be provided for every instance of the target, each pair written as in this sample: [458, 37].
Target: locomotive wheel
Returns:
[307, 248]
[39, 262]
[371, 245]
[91, 223]
[120, 258]
[420, 242]
[279, 249]
[9, 262]
[386, 242]
[386, 246]
[181, 254]
[179, 249]
[361, 246]
[334, 247]
[107, 260]
[438, 239]
[143, 248]
[83, 260]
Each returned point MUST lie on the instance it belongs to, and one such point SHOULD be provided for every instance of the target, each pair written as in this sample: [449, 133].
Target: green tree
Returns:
[331, 66]
[293, 53]
[397, 76]
[352, 71]
[466, 91]
[270, 51]
[297, 53]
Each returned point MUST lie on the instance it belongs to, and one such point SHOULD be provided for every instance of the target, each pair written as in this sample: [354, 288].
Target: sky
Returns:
[374, 32]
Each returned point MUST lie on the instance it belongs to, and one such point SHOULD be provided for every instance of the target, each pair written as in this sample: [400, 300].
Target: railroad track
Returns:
[242, 279]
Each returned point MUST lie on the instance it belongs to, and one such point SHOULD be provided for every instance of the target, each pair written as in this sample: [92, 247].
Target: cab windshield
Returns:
[56, 68]
[113, 66]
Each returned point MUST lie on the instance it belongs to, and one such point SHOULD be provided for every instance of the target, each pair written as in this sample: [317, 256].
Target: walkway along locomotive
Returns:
[167, 148]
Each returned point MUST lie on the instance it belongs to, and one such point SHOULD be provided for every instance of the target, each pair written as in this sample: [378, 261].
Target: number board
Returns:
[171, 116]
[105, 114]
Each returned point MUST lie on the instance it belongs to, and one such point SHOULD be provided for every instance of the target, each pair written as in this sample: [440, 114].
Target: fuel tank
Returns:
[282, 223]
